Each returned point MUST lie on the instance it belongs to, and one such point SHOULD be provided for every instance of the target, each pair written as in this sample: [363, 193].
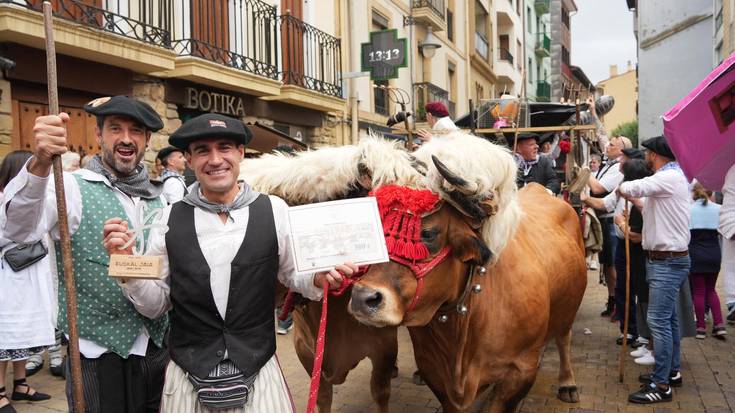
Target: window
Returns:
[452, 81]
[529, 20]
[379, 21]
[450, 25]
[565, 55]
[529, 68]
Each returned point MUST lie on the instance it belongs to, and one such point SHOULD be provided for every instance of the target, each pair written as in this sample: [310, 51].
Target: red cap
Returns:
[437, 109]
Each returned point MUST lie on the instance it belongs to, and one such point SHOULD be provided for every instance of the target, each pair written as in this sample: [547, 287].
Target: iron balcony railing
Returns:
[311, 57]
[148, 21]
[542, 6]
[506, 55]
[482, 46]
[426, 92]
[543, 44]
[437, 6]
[543, 91]
[242, 34]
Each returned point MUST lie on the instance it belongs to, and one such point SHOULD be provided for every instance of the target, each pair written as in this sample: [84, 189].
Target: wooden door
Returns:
[74, 10]
[79, 131]
[292, 42]
[210, 30]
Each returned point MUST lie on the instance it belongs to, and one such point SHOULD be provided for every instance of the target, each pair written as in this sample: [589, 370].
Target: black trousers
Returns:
[113, 384]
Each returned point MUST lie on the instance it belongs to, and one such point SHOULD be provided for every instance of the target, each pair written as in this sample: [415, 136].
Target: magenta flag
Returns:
[701, 128]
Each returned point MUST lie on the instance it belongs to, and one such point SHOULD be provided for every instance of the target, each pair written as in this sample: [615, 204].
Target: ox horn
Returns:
[462, 185]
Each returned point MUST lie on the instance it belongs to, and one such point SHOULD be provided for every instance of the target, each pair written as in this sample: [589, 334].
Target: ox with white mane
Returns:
[505, 272]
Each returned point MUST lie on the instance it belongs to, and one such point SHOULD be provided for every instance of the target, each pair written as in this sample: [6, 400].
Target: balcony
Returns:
[310, 63]
[543, 45]
[138, 31]
[543, 91]
[542, 6]
[430, 13]
[506, 55]
[426, 92]
[482, 46]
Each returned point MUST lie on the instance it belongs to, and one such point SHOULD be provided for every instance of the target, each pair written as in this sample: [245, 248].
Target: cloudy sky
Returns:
[602, 35]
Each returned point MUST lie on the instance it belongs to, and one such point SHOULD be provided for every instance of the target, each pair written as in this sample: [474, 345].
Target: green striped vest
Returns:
[105, 316]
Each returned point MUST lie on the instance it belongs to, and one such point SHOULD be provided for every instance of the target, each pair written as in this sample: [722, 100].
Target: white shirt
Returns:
[29, 212]
[610, 176]
[174, 189]
[445, 123]
[220, 243]
[666, 207]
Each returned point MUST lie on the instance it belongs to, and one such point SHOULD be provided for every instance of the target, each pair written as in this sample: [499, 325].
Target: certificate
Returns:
[330, 233]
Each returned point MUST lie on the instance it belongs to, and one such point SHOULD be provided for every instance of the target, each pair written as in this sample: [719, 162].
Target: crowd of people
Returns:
[679, 237]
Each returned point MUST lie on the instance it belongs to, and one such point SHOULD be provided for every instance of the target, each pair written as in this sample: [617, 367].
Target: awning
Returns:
[266, 138]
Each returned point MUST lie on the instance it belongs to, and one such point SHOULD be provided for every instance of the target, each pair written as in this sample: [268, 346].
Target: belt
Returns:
[663, 255]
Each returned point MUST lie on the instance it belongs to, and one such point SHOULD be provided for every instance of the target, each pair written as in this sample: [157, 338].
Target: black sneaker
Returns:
[631, 340]
[675, 379]
[651, 393]
[731, 313]
[610, 307]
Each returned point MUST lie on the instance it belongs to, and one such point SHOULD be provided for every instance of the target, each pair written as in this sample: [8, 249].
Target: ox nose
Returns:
[366, 300]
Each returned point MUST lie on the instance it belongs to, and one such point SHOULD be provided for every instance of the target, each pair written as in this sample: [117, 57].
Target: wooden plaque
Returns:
[135, 266]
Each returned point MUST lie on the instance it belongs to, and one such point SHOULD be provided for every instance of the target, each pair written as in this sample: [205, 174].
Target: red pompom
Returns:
[565, 146]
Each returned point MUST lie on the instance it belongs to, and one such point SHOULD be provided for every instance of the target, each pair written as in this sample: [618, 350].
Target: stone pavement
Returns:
[708, 369]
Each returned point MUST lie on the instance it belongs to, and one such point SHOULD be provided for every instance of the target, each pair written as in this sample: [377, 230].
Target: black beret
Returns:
[660, 146]
[125, 106]
[522, 136]
[163, 153]
[210, 125]
[633, 153]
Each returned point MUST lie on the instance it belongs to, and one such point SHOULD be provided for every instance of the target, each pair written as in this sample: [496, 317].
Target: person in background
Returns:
[706, 256]
[70, 161]
[26, 316]
[595, 162]
[727, 230]
[666, 218]
[173, 163]
[437, 116]
[607, 178]
[533, 167]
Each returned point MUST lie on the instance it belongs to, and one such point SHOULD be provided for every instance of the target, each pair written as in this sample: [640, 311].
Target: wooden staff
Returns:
[518, 115]
[65, 237]
[623, 348]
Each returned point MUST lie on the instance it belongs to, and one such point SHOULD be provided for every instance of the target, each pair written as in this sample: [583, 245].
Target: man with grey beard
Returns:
[123, 359]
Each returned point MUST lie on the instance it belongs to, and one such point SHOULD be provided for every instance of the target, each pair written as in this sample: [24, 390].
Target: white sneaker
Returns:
[640, 352]
[647, 360]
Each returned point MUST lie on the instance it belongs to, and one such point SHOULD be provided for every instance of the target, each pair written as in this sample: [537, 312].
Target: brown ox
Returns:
[528, 297]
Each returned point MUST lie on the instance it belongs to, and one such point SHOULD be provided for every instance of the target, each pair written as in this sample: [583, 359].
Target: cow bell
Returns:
[443, 318]
[476, 288]
[481, 270]
[462, 310]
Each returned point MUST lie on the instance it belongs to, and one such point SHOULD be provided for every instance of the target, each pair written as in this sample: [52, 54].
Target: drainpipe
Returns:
[354, 96]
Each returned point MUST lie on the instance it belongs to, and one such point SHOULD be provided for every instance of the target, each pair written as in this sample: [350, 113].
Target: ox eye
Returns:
[429, 235]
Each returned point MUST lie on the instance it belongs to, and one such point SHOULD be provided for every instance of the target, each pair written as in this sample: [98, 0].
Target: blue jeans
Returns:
[665, 278]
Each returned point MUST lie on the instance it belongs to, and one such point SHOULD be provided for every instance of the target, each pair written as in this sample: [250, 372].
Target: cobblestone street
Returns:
[708, 370]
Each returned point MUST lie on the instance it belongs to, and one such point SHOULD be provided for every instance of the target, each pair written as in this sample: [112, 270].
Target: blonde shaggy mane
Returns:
[491, 167]
[331, 173]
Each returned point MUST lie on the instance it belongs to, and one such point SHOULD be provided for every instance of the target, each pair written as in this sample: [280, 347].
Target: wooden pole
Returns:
[65, 237]
[623, 348]
[518, 115]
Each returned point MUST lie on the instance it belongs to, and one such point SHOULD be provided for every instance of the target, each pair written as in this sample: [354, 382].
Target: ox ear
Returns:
[469, 248]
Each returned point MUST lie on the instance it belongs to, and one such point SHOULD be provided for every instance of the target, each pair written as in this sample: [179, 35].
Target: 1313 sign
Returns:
[384, 55]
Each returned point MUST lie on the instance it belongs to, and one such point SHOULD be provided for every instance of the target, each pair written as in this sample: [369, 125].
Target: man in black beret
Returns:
[666, 215]
[173, 164]
[533, 167]
[123, 358]
[226, 247]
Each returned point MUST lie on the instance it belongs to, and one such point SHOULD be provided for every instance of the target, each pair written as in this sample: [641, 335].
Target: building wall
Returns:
[671, 59]
[540, 67]
[623, 87]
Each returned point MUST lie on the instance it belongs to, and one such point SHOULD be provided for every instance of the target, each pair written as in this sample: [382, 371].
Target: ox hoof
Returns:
[417, 379]
[568, 394]
[394, 372]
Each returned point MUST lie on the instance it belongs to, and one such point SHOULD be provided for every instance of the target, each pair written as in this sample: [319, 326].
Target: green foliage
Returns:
[629, 130]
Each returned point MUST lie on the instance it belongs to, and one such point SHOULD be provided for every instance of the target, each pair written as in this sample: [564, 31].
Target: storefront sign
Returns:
[206, 101]
[384, 54]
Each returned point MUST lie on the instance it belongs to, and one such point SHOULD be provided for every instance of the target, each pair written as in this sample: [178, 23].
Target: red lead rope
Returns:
[316, 371]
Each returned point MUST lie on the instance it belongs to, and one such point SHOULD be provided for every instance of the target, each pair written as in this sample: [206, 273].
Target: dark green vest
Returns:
[105, 316]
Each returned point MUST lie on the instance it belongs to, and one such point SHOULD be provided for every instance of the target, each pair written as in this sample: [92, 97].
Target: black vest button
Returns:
[220, 353]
